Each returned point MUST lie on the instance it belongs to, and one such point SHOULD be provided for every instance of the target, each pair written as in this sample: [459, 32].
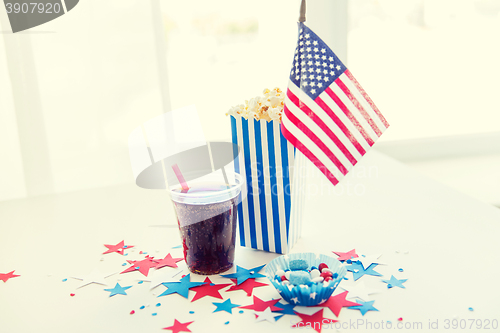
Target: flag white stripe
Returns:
[267, 185]
[346, 121]
[354, 110]
[313, 148]
[354, 90]
[318, 131]
[329, 122]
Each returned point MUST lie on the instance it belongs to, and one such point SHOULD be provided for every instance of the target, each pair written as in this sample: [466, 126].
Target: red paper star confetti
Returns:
[336, 303]
[142, 266]
[179, 327]
[6, 276]
[346, 255]
[260, 305]
[208, 289]
[314, 321]
[118, 248]
[247, 286]
[168, 261]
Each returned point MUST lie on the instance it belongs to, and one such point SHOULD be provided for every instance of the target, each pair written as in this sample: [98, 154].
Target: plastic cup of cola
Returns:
[206, 215]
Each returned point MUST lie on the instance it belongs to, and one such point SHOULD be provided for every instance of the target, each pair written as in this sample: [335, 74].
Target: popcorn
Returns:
[268, 107]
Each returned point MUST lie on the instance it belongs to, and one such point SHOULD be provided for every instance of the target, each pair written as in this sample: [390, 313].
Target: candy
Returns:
[315, 273]
[280, 272]
[321, 266]
[326, 274]
[299, 277]
[287, 275]
[326, 270]
[298, 264]
[328, 278]
[318, 279]
[283, 278]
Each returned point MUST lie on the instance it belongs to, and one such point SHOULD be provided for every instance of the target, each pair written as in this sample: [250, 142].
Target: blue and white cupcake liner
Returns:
[305, 295]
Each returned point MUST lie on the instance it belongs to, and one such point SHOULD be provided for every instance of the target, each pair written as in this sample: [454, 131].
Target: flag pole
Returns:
[302, 17]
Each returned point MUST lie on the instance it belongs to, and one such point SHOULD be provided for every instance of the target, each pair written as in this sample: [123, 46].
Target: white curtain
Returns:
[72, 90]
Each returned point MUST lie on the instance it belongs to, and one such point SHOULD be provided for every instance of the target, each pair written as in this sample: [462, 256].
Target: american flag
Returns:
[327, 114]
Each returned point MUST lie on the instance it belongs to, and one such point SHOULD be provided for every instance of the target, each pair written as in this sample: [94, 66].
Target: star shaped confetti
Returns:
[243, 274]
[142, 266]
[364, 307]
[4, 277]
[393, 282]
[286, 308]
[93, 277]
[267, 315]
[346, 255]
[358, 290]
[315, 320]
[208, 289]
[260, 305]
[118, 248]
[247, 286]
[336, 303]
[182, 287]
[179, 327]
[370, 259]
[167, 275]
[225, 306]
[168, 261]
[358, 270]
[118, 290]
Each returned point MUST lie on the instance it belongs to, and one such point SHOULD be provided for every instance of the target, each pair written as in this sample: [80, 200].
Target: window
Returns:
[430, 65]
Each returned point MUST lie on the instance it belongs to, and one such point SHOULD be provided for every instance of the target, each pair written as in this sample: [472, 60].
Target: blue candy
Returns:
[300, 277]
[298, 264]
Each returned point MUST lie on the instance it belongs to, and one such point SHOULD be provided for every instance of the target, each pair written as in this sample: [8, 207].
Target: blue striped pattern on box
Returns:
[269, 217]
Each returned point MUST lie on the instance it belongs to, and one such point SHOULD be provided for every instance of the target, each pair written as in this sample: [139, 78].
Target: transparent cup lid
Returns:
[211, 188]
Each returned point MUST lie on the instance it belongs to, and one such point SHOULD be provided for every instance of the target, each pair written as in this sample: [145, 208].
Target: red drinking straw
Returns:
[180, 178]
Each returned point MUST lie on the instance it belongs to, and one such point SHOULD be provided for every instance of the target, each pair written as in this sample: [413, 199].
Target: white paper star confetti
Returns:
[93, 277]
[358, 290]
[167, 275]
[370, 259]
[268, 315]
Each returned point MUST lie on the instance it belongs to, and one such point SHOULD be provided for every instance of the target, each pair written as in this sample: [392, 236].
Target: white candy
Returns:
[326, 270]
[317, 279]
[315, 273]
[287, 275]
[285, 282]
[280, 272]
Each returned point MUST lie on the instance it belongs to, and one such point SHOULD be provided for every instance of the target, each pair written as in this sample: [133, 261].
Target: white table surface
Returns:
[446, 242]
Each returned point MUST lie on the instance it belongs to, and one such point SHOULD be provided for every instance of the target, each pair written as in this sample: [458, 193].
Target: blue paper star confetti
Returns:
[182, 287]
[225, 306]
[364, 307]
[285, 308]
[118, 290]
[393, 282]
[358, 270]
[243, 274]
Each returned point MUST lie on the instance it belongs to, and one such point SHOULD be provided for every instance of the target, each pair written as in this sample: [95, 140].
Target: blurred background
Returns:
[73, 89]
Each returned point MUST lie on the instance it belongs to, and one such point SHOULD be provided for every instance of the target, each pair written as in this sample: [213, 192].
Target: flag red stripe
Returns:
[340, 124]
[349, 115]
[297, 144]
[368, 99]
[358, 105]
[300, 125]
[295, 100]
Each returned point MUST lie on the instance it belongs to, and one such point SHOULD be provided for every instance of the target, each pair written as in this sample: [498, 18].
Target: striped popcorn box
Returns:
[269, 218]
